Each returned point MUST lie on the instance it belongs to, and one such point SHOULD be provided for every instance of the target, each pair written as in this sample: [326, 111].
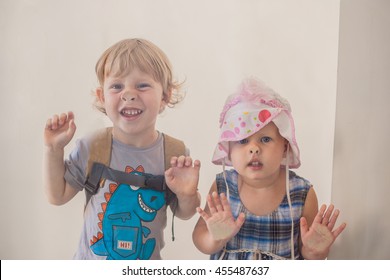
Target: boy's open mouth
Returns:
[130, 112]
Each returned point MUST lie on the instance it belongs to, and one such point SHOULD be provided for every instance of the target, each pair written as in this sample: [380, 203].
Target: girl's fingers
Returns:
[318, 218]
[333, 219]
[327, 215]
[210, 203]
[217, 201]
[304, 226]
[225, 202]
[339, 230]
[240, 220]
[203, 214]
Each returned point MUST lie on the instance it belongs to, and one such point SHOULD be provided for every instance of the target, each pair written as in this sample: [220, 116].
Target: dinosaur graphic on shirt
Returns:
[122, 233]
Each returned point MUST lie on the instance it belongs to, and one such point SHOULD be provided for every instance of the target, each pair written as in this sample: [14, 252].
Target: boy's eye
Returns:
[265, 139]
[142, 86]
[243, 141]
[117, 86]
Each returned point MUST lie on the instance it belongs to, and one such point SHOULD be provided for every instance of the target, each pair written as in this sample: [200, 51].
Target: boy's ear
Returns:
[100, 94]
[164, 102]
[162, 106]
[166, 97]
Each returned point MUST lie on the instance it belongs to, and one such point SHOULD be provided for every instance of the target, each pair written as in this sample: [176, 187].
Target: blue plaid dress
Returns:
[264, 237]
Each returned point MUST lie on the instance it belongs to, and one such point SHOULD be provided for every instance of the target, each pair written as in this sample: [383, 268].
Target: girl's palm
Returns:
[221, 223]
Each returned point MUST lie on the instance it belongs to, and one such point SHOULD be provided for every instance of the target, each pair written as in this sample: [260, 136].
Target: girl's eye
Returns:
[265, 139]
[243, 141]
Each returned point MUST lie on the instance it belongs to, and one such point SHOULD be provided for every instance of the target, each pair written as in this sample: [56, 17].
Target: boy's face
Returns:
[132, 102]
[260, 155]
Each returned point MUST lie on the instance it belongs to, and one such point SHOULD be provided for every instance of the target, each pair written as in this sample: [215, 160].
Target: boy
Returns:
[124, 219]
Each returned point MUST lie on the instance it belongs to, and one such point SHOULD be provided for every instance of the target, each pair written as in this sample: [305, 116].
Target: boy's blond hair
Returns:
[124, 56]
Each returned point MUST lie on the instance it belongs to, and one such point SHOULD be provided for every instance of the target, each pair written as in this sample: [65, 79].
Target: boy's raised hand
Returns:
[59, 130]
[183, 176]
[221, 223]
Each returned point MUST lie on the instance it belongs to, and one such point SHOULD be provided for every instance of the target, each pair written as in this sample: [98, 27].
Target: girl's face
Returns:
[260, 155]
[132, 102]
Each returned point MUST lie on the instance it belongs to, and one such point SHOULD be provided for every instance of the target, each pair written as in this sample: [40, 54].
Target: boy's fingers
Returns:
[58, 120]
[180, 161]
[188, 161]
[54, 122]
[197, 163]
[173, 161]
[62, 119]
[48, 124]
[72, 128]
[70, 115]
[168, 172]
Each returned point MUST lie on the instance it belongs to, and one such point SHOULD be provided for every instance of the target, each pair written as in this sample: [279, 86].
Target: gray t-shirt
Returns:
[121, 221]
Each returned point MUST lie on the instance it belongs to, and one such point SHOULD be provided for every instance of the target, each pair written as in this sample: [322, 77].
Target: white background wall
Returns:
[48, 51]
[361, 177]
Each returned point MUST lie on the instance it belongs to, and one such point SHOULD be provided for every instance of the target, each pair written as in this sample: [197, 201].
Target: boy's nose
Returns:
[128, 96]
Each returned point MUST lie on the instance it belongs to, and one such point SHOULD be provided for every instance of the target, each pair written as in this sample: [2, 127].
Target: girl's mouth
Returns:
[255, 164]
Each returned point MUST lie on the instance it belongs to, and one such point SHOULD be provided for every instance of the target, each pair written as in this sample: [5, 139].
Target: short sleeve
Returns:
[75, 165]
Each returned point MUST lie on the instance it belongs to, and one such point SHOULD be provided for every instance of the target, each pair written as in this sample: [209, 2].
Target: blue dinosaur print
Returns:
[122, 227]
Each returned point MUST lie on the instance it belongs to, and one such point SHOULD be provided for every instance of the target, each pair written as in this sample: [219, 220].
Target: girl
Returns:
[261, 209]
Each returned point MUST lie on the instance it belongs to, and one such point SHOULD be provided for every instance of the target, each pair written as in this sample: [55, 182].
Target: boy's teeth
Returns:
[131, 112]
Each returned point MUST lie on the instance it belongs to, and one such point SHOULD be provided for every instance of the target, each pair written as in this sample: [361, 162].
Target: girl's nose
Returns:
[254, 150]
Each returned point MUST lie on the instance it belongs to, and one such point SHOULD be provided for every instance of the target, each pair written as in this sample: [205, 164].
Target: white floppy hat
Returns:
[252, 107]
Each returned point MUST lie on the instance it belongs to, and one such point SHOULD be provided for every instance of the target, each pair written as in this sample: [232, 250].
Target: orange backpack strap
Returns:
[100, 148]
[172, 147]
[99, 151]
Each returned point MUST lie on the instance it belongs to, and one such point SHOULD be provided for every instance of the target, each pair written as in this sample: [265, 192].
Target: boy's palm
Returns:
[183, 176]
[59, 130]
